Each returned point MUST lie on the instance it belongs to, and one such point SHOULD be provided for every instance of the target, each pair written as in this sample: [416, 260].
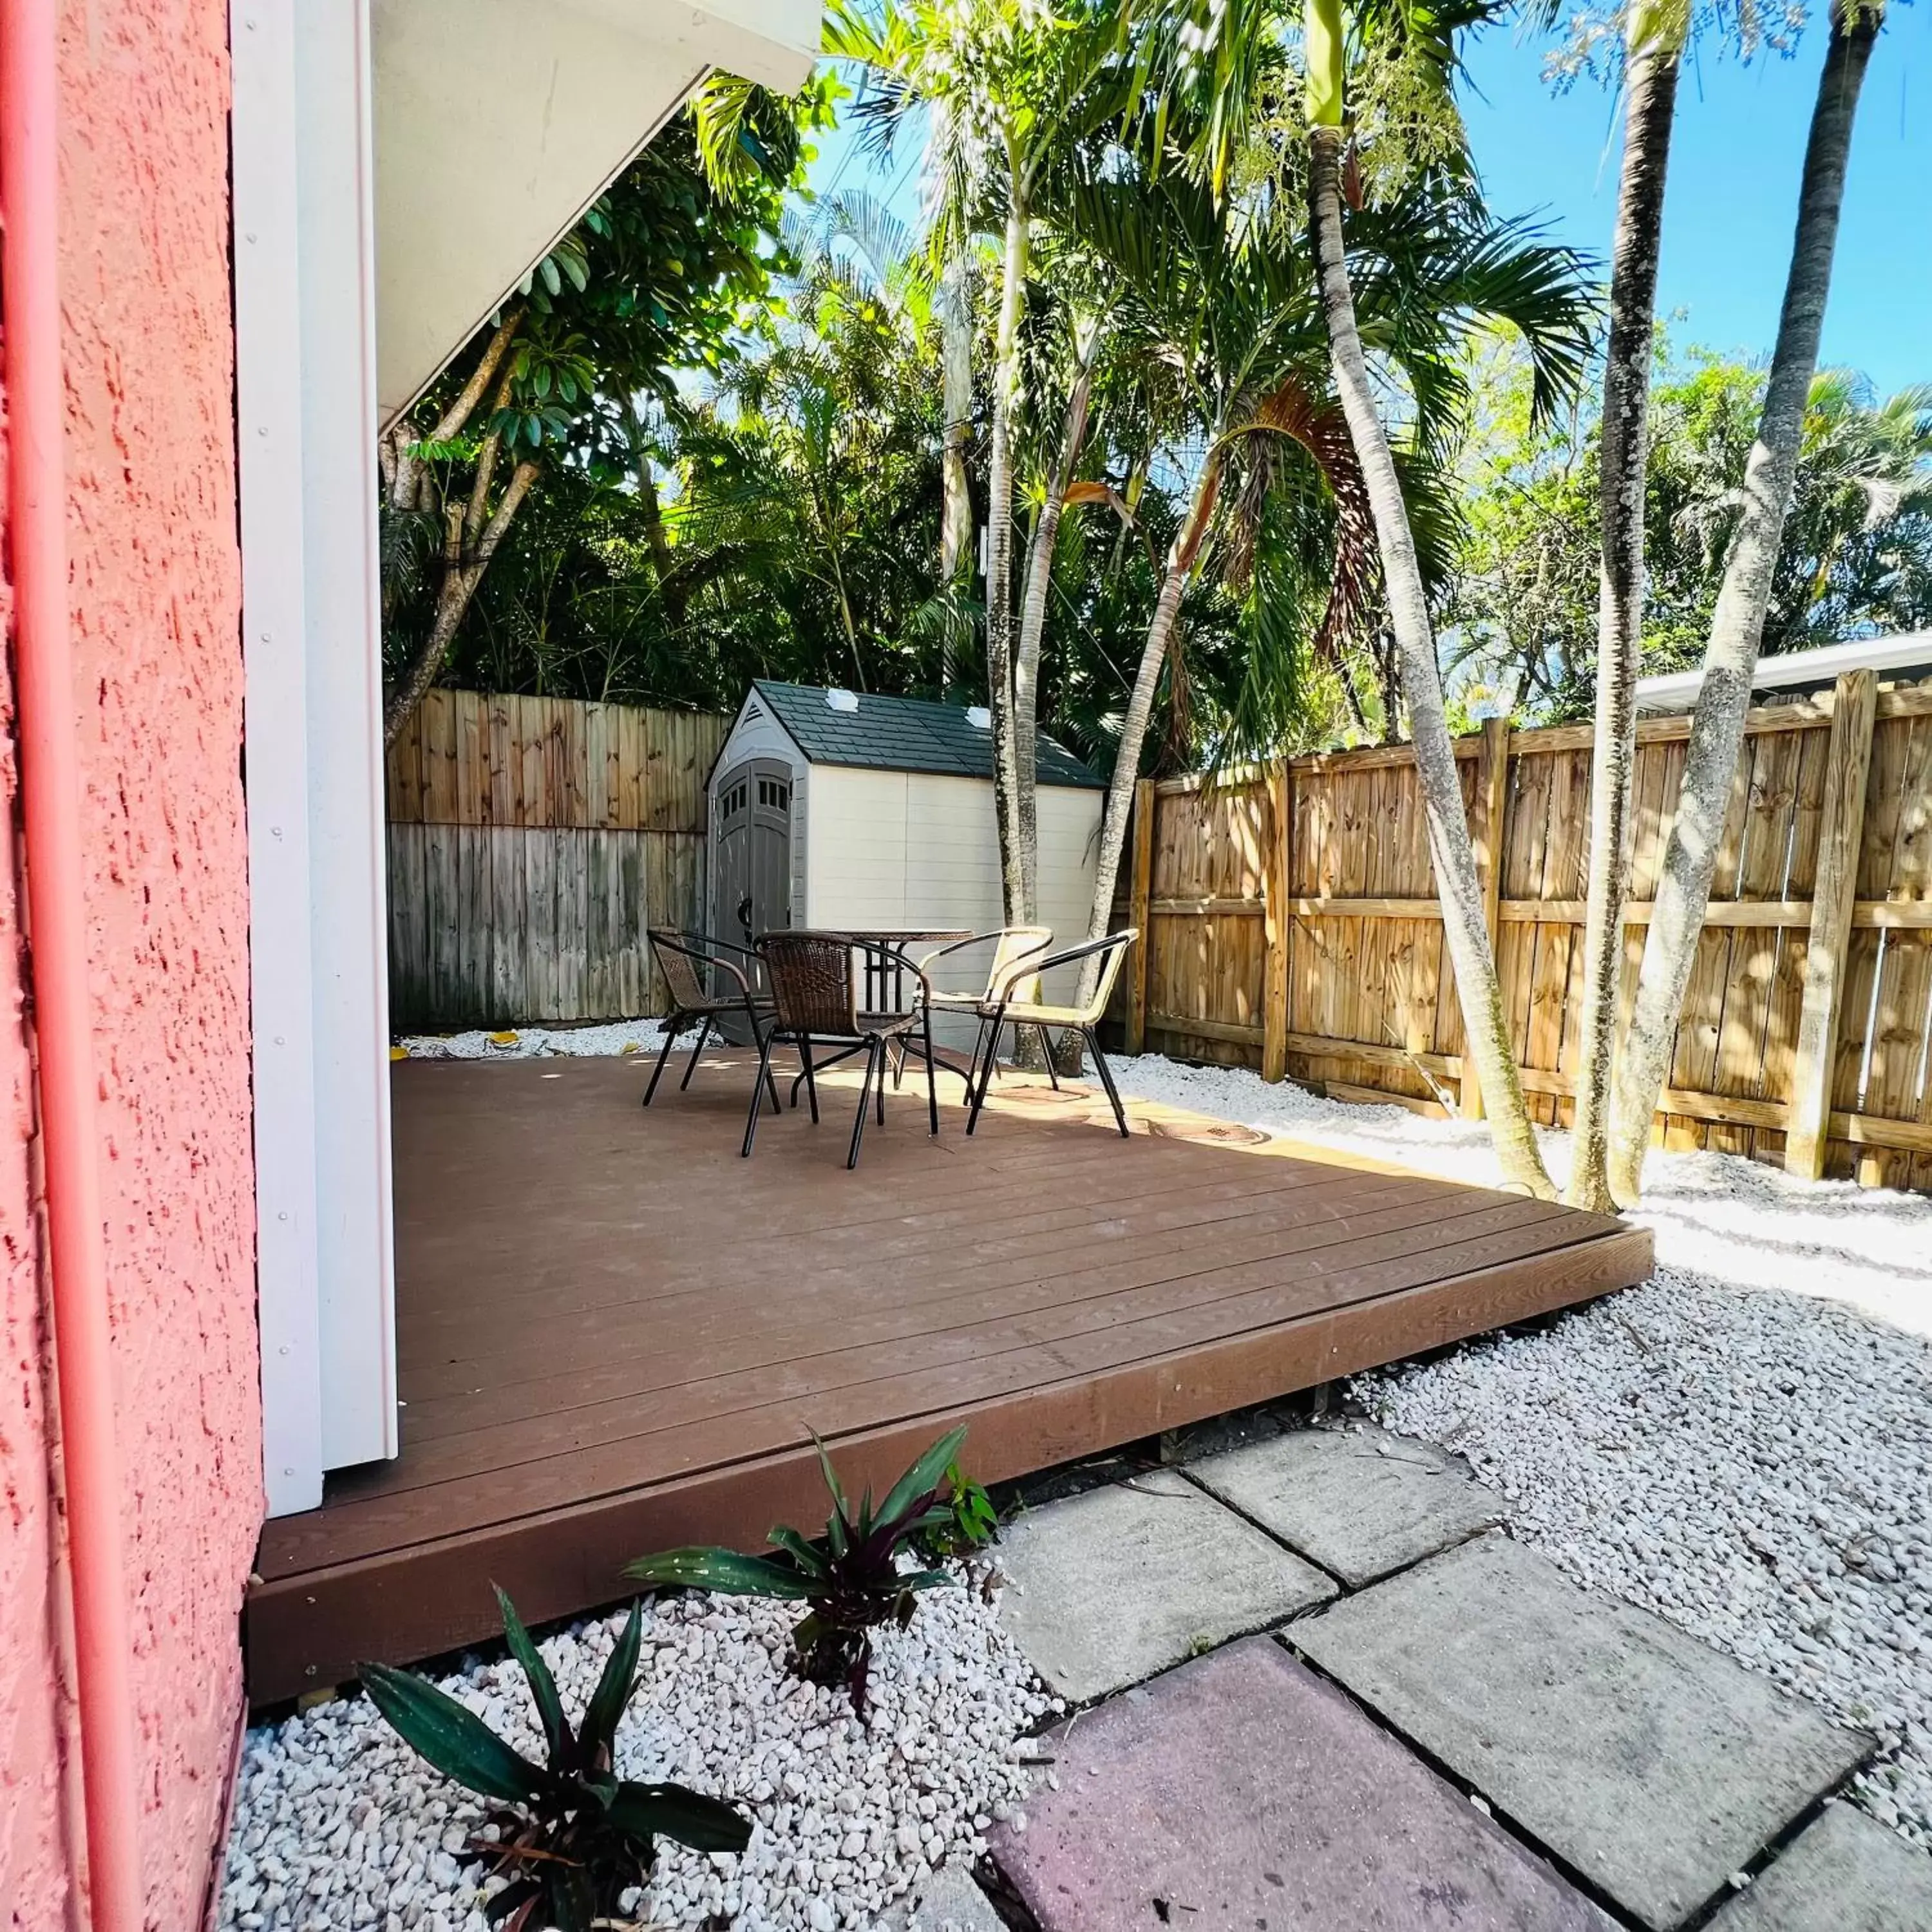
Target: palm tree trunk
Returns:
[1456, 886]
[1716, 730]
[956, 345]
[999, 560]
[1650, 101]
[1181, 558]
[1033, 623]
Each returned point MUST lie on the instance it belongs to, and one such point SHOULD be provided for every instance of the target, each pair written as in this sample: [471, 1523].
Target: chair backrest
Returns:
[1110, 952]
[1015, 946]
[678, 957]
[812, 986]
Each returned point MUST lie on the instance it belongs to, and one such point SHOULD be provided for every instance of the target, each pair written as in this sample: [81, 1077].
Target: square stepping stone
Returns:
[1241, 1793]
[1123, 1581]
[1845, 1874]
[1650, 1764]
[950, 1902]
[1361, 1502]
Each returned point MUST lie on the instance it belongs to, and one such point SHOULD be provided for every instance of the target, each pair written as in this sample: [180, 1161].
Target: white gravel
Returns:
[1744, 1444]
[338, 1824]
[532, 1042]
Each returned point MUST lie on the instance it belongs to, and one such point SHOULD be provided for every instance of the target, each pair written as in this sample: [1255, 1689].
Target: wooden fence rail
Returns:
[531, 840]
[1291, 923]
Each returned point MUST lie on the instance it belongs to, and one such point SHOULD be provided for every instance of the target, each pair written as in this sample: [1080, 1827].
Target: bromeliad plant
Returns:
[851, 1585]
[572, 1835]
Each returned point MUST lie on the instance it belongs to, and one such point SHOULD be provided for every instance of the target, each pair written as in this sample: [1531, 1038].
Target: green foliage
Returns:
[573, 1836]
[850, 1582]
[971, 1521]
[1520, 612]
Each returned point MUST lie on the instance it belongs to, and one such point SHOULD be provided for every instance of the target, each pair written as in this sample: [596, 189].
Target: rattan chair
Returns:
[815, 998]
[1084, 1019]
[1014, 949]
[684, 958]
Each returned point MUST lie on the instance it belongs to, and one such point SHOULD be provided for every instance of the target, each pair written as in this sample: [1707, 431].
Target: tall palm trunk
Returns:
[955, 354]
[1033, 622]
[999, 559]
[1650, 101]
[1182, 556]
[1716, 730]
[1456, 886]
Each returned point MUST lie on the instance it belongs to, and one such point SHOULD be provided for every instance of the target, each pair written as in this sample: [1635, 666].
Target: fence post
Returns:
[1492, 800]
[1138, 916]
[1278, 925]
[1854, 709]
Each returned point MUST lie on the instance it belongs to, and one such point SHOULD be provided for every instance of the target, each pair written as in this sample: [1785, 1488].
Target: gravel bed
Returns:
[339, 1825]
[533, 1043]
[1744, 1444]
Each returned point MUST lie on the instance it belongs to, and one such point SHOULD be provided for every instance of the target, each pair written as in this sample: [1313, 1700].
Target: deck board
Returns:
[612, 1333]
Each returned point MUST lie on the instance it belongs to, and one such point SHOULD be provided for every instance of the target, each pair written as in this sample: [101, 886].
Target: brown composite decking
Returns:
[612, 1334]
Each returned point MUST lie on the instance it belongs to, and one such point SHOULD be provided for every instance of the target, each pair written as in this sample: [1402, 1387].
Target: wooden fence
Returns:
[532, 840]
[1292, 924]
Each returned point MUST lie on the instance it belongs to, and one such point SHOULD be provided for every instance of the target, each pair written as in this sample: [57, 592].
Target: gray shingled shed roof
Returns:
[903, 734]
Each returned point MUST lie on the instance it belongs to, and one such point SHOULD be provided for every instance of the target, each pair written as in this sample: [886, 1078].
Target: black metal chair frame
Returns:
[701, 953]
[843, 1026]
[986, 1051]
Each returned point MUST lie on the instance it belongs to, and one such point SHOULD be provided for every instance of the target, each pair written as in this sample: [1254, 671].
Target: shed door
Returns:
[751, 889]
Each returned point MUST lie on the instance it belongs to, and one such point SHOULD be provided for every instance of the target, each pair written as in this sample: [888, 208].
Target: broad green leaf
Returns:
[454, 1740]
[832, 1482]
[705, 1824]
[724, 1571]
[614, 1691]
[543, 1685]
[923, 1478]
[802, 1552]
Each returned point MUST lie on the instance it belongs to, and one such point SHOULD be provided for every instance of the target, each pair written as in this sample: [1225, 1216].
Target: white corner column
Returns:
[305, 386]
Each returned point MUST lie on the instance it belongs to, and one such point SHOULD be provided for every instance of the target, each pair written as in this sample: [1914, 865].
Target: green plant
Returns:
[851, 1585]
[970, 1522]
[572, 1835]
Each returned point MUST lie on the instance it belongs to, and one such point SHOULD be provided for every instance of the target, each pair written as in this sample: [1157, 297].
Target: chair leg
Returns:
[810, 1084]
[972, 1065]
[875, 1069]
[1107, 1080]
[752, 1019]
[758, 1093]
[899, 1053]
[985, 1072]
[691, 1066]
[931, 1077]
[879, 1092]
[664, 1054]
[1046, 1048]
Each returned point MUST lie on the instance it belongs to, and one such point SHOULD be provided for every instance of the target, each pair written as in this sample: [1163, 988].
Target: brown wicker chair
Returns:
[684, 958]
[814, 998]
[1084, 1020]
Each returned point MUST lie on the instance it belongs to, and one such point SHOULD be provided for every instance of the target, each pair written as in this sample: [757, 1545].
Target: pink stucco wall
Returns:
[156, 619]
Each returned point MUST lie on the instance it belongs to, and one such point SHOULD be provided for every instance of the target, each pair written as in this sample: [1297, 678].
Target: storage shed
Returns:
[833, 809]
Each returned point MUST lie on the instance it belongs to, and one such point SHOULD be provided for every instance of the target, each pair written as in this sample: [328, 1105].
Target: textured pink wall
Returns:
[152, 532]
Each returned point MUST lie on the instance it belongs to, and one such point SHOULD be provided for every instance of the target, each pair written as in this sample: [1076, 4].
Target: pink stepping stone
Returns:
[1241, 1793]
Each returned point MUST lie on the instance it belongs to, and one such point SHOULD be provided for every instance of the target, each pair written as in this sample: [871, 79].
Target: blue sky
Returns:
[1732, 195]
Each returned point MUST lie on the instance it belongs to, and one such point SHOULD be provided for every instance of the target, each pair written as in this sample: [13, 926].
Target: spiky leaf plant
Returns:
[572, 1835]
[851, 1584]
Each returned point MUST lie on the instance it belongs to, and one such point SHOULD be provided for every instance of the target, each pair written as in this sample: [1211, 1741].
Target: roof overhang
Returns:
[1908, 653]
[498, 122]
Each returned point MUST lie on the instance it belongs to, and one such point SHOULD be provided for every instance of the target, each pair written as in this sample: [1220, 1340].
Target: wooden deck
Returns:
[612, 1334]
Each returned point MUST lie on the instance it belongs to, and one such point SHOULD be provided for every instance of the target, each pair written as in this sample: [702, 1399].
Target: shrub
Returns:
[573, 1835]
[850, 1584]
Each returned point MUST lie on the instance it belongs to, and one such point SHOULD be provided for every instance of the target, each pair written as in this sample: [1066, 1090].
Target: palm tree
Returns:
[1458, 889]
[1013, 82]
[1653, 47]
[1717, 729]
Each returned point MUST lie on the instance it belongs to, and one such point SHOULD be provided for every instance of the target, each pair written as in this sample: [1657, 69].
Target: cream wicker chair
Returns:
[1012, 972]
[1009, 1011]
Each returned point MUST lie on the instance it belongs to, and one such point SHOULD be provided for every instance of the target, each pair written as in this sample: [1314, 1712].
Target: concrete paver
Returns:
[1846, 1873]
